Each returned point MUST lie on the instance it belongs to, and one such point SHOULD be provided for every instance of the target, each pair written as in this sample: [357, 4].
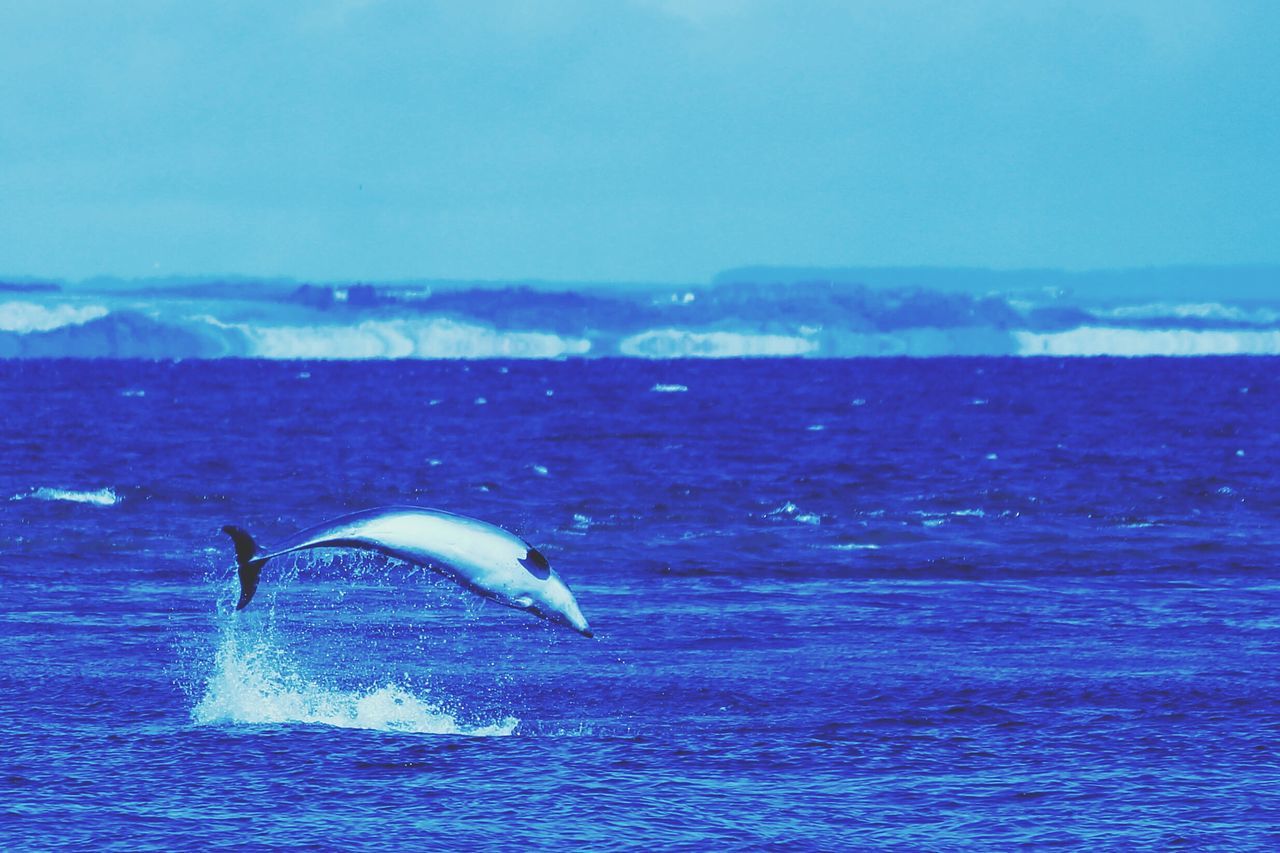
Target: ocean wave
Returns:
[124, 334]
[1258, 316]
[221, 320]
[404, 338]
[98, 497]
[790, 511]
[936, 519]
[27, 317]
[1108, 341]
[254, 686]
[683, 343]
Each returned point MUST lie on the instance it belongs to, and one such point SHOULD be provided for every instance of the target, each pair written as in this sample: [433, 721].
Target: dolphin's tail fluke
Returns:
[250, 568]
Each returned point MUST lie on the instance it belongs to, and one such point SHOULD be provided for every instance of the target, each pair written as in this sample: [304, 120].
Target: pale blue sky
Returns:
[640, 141]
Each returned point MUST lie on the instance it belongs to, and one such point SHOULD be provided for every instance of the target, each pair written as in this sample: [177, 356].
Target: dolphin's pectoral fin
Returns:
[523, 601]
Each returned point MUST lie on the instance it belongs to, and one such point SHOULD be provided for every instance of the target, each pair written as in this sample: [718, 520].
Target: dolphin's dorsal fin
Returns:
[536, 564]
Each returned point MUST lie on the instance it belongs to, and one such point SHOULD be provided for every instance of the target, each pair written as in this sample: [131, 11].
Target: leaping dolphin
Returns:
[484, 558]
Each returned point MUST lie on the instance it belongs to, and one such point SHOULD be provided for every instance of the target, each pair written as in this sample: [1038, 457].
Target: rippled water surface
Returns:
[935, 603]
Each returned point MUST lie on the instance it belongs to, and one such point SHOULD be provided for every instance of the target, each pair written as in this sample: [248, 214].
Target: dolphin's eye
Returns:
[536, 564]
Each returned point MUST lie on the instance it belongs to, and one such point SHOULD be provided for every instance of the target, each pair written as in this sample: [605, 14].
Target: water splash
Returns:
[254, 682]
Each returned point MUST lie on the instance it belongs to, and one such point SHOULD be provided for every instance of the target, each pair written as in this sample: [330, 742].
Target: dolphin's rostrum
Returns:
[480, 556]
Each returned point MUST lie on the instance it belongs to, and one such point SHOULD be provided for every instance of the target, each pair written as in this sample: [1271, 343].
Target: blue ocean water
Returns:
[912, 604]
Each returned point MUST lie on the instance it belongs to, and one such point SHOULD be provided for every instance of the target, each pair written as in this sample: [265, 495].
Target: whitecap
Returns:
[933, 519]
[540, 470]
[682, 343]
[98, 497]
[1106, 340]
[133, 392]
[663, 388]
[790, 510]
[852, 546]
[1193, 311]
[402, 338]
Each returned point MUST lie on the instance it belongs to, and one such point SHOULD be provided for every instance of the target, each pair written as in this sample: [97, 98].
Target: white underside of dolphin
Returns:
[480, 556]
